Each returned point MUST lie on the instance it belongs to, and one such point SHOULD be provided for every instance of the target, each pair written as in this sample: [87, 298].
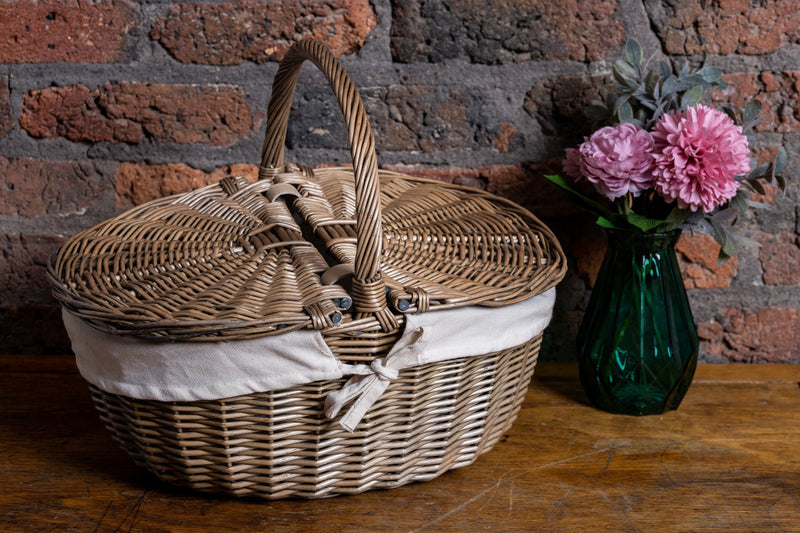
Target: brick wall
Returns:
[106, 104]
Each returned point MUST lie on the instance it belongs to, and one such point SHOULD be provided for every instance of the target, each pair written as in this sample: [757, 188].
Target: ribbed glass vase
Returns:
[637, 344]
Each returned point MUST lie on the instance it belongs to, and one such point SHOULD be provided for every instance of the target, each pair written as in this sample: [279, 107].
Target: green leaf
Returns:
[722, 258]
[739, 202]
[757, 205]
[692, 96]
[633, 51]
[597, 113]
[751, 111]
[625, 112]
[646, 103]
[731, 112]
[747, 243]
[761, 171]
[642, 222]
[726, 241]
[780, 161]
[603, 222]
[651, 81]
[711, 75]
[669, 86]
[675, 217]
[756, 185]
[693, 79]
[664, 69]
[626, 75]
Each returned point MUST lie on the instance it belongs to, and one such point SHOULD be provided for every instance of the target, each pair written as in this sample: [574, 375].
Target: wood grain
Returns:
[727, 460]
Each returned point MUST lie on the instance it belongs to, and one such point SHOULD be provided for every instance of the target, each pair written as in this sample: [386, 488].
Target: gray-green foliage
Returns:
[643, 94]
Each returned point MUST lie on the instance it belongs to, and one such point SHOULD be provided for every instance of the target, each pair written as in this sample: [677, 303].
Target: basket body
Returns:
[280, 444]
[351, 254]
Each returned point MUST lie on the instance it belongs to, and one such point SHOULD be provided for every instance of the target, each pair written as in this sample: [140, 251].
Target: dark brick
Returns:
[34, 187]
[779, 92]
[132, 112]
[422, 118]
[687, 27]
[32, 329]
[137, 183]
[524, 184]
[23, 267]
[429, 118]
[6, 118]
[558, 104]
[508, 138]
[769, 334]
[73, 31]
[232, 32]
[588, 251]
[501, 32]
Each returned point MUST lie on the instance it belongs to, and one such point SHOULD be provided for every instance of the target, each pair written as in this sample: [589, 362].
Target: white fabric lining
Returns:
[189, 371]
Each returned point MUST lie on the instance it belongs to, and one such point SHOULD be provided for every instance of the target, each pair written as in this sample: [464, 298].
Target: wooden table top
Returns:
[727, 460]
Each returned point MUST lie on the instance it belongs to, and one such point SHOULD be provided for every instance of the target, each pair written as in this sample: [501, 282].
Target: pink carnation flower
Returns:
[698, 153]
[616, 160]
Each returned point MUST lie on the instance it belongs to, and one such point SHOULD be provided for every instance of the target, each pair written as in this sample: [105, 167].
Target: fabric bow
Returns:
[368, 382]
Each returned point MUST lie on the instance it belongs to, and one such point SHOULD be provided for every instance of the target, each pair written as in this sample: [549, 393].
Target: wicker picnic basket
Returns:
[349, 255]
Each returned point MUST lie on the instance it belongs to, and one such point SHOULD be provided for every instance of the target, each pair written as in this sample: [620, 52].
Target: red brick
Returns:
[779, 92]
[686, 27]
[779, 256]
[23, 267]
[232, 32]
[502, 32]
[132, 112]
[73, 31]
[697, 257]
[770, 334]
[6, 118]
[137, 183]
[34, 187]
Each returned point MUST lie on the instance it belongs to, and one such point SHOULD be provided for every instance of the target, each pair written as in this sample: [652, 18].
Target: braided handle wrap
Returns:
[368, 288]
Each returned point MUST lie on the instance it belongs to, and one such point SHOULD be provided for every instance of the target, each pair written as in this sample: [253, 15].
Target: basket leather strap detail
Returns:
[281, 189]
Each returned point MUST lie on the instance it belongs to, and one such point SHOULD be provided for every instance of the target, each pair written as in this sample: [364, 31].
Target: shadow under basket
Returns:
[280, 444]
[223, 330]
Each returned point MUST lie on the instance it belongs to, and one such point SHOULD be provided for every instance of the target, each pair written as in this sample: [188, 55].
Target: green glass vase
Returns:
[637, 343]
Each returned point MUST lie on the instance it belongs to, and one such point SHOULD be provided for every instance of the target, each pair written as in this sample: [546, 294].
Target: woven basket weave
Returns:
[345, 251]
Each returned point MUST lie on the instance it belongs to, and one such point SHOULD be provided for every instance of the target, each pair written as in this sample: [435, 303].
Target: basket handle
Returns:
[369, 293]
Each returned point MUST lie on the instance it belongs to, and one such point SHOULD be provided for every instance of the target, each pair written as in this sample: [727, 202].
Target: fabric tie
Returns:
[368, 383]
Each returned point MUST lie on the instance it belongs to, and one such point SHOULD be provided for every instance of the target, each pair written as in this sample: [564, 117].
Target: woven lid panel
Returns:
[198, 264]
[208, 262]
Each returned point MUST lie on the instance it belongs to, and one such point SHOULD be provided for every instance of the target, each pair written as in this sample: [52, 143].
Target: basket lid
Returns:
[302, 248]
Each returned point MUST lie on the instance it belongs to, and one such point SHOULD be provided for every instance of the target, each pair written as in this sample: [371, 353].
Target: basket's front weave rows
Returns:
[352, 259]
